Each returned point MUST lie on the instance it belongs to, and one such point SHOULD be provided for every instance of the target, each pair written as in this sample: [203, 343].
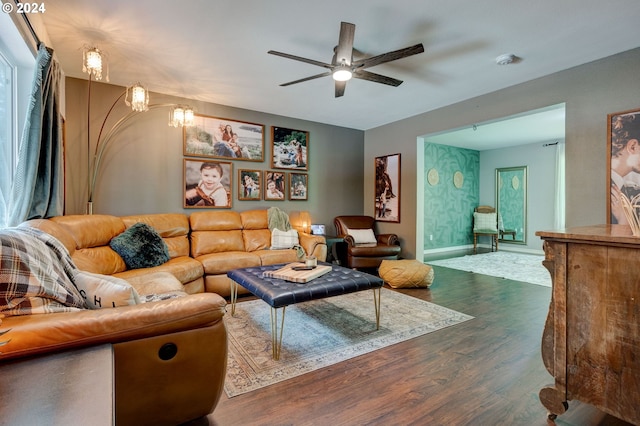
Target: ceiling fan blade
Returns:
[366, 75]
[340, 86]
[344, 50]
[324, 74]
[299, 58]
[389, 56]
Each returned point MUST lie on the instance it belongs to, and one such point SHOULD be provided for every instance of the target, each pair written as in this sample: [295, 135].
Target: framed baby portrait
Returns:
[224, 138]
[274, 186]
[289, 148]
[298, 186]
[207, 184]
[249, 185]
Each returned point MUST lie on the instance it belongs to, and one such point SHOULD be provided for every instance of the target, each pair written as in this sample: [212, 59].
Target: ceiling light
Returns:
[342, 72]
[505, 59]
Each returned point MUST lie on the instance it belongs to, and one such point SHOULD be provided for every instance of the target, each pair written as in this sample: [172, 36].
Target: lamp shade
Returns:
[92, 62]
[305, 221]
[137, 98]
[181, 115]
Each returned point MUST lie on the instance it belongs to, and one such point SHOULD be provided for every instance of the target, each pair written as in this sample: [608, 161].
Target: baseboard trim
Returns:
[505, 247]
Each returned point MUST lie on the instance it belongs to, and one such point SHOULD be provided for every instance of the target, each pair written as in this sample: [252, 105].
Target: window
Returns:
[8, 136]
[17, 62]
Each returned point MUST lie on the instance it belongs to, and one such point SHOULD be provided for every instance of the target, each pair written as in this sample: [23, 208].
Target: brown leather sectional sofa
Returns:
[202, 248]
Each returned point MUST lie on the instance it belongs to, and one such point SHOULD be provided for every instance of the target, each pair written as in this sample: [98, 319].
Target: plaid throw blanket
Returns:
[36, 274]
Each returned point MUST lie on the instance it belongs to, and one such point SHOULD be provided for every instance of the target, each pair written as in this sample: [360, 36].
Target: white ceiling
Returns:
[546, 125]
[216, 51]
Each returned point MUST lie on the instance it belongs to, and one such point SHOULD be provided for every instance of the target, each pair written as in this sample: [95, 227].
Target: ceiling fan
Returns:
[343, 67]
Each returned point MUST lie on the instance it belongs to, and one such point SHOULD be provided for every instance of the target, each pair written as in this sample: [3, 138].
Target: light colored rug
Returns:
[322, 333]
[514, 266]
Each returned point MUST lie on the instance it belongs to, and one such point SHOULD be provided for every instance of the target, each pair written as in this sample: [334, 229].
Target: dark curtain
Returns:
[38, 184]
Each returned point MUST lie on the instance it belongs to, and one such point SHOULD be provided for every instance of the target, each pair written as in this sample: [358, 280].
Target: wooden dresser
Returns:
[591, 340]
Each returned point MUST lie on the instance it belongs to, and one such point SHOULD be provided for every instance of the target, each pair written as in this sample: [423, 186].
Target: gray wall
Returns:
[590, 91]
[142, 172]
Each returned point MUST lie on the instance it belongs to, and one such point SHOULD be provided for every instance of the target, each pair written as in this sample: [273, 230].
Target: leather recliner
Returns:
[368, 255]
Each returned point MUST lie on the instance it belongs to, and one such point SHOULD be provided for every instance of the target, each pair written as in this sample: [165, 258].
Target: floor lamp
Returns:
[136, 97]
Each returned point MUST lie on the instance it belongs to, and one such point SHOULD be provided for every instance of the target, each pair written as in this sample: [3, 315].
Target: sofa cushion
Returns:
[185, 269]
[91, 230]
[284, 239]
[221, 263]
[205, 242]
[273, 257]
[140, 246]
[254, 219]
[485, 222]
[256, 239]
[362, 236]
[105, 291]
[99, 260]
[215, 221]
[172, 227]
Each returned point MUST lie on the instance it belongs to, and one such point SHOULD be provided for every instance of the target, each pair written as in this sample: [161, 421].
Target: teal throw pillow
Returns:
[140, 246]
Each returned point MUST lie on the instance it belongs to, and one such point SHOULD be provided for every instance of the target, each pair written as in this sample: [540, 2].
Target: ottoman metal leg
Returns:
[276, 333]
[376, 303]
[233, 296]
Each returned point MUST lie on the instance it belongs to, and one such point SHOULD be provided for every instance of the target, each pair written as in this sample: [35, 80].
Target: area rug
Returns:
[513, 266]
[322, 333]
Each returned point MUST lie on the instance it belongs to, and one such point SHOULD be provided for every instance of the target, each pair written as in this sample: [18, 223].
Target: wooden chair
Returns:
[485, 223]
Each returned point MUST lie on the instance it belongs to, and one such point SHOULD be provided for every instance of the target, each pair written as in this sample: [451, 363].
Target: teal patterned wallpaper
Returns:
[448, 210]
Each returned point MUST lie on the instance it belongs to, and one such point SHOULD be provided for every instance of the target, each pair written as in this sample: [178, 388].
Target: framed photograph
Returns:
[289, 148]
[274, 186]
[387, 185]
[224, 138]
[298, 186]
[249, 185]
[207, 184]
[623, 167]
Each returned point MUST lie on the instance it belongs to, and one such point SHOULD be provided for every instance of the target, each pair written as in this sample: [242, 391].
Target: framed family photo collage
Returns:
[212, 146]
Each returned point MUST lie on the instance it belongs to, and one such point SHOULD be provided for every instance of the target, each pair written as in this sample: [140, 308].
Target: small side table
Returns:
[332, 255]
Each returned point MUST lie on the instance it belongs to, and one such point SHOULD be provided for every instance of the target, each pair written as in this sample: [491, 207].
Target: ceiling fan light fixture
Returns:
[342, 73]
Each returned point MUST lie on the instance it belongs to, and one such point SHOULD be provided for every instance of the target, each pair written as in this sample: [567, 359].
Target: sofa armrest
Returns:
[313, 245]
[388, 239]
[44, 333]
[349, 240]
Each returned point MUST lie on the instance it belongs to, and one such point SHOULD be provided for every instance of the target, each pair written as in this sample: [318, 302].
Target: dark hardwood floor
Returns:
[486, 371]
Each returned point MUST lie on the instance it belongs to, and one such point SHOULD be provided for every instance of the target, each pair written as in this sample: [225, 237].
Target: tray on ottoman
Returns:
[287, 273]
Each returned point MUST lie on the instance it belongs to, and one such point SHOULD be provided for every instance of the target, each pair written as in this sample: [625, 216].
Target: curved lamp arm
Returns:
[103, 143]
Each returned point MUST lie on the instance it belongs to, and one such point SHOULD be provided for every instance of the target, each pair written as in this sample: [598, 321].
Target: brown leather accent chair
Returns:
[364, 255]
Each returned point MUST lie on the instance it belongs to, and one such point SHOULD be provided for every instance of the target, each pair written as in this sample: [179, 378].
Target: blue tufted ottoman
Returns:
[280, 293]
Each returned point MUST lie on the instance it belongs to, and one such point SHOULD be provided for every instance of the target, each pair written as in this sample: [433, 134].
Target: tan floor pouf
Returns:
[406, 273]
